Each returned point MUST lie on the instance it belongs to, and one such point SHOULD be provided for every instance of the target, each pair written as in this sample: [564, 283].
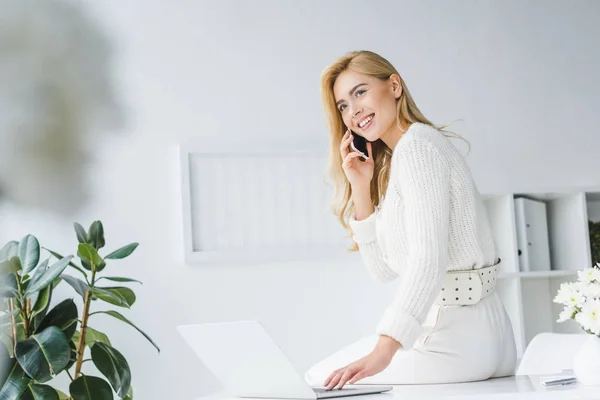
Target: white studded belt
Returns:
[468, 287]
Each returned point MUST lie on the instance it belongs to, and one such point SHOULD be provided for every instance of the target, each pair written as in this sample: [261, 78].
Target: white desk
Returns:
[513, 388]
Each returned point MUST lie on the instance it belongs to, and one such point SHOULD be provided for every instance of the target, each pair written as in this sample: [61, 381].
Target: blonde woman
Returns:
[415, 214]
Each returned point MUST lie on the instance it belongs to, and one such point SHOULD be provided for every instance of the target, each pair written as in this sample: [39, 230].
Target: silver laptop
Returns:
[248, 363]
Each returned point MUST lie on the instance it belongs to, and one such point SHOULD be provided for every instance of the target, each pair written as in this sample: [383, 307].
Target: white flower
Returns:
[570, 294]
[589, 317]
[589, 275]
[591, 290]
[55, 90]
[566, 314]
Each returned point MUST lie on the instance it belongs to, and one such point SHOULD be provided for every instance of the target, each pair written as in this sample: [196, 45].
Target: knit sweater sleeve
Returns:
[423, 178]
[364, 234]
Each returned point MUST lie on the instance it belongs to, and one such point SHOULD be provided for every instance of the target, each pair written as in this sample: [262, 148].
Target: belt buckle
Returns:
[461, 288]
[475, 289]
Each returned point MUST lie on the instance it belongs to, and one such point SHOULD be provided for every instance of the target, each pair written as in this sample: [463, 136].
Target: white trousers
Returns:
[458, 344]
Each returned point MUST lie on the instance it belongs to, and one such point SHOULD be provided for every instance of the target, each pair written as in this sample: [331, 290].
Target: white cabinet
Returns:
[559, 247]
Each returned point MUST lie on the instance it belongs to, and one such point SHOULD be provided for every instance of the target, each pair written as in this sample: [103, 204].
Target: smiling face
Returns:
[367, 104]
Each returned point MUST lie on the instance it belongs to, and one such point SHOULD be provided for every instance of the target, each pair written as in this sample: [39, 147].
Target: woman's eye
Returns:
[357, 93]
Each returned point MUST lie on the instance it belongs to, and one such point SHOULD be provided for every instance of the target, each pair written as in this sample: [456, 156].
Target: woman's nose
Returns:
[355, 110]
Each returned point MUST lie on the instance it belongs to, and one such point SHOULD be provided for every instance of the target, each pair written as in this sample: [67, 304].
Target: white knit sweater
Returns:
[432, 219]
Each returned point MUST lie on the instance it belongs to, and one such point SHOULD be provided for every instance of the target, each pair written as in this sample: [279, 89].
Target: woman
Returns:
[415, 214]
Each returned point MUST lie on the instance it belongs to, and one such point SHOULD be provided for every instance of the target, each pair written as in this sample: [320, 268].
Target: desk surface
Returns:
[513, 388]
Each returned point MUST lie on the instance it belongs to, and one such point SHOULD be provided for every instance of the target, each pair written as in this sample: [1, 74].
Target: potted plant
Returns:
[581, 300]
[41, 343]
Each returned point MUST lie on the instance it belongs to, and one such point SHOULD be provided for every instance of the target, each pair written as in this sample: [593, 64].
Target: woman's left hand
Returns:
[369, 365]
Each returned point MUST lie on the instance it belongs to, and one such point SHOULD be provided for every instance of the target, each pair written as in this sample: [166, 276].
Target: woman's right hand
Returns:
[359, 173]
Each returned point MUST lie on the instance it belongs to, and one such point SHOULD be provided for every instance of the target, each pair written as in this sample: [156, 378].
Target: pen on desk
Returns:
[557, 382]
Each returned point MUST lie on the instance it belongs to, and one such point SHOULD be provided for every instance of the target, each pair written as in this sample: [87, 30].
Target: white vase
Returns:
[586, 364]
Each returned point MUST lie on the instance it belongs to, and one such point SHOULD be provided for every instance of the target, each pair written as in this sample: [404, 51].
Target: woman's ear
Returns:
[395, 85]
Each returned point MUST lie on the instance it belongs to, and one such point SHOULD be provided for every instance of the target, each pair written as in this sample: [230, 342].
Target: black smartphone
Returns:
[359, 144]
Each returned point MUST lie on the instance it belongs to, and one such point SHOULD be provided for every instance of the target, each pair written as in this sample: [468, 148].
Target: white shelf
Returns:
[528, 296]
[537, 274]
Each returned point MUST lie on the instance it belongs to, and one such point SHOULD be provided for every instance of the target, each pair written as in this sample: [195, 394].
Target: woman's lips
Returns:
[365, 127]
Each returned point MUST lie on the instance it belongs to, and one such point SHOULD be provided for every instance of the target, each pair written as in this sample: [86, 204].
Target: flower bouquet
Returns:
[581, 301]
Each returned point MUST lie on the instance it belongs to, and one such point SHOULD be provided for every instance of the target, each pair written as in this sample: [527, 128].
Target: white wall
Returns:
[521, 75]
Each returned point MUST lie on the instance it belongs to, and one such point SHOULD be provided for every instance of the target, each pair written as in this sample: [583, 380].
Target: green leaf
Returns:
[88, 387]
[8, 287]
[45, 277]
[39, 269]
[26, 281]
[42, 301]
[5, 354]
[39, 392]
[10, 249]
[61, 395]
[8, 325]
[129, 394]
[113, 366]
[29, 253]
[10, 267]
[100, 266]
[119, 296]
[7, 329]
[14, 266]
[88, 253]
[6, 340]
[71, 264]
[122, 318]
[75, 338]
[80, 232]
[123, 252]
[80, 286]
[73, 358]
[62, 316]
[44, 355]
[96, 235]
[39, 316]
[93, 336]
[14, 382]
[6, 317]
[125, 293]
[86, 264]
[118, 279]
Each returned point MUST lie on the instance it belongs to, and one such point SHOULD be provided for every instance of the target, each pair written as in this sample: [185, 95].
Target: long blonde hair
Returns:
[372, 64]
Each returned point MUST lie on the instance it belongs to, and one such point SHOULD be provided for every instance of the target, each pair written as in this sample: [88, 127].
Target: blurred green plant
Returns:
[594, 228]
[42, 343]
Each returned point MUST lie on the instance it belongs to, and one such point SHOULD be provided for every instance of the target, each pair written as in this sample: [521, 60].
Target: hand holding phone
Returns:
[359, 144]
[359, 172]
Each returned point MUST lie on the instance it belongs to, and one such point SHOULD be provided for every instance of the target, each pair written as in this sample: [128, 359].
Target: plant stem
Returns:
[14, 327]
[84, 319]
[26, 319]
[81, 344]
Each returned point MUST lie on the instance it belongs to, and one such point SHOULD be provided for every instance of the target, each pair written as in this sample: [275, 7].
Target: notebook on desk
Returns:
[248, 363]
